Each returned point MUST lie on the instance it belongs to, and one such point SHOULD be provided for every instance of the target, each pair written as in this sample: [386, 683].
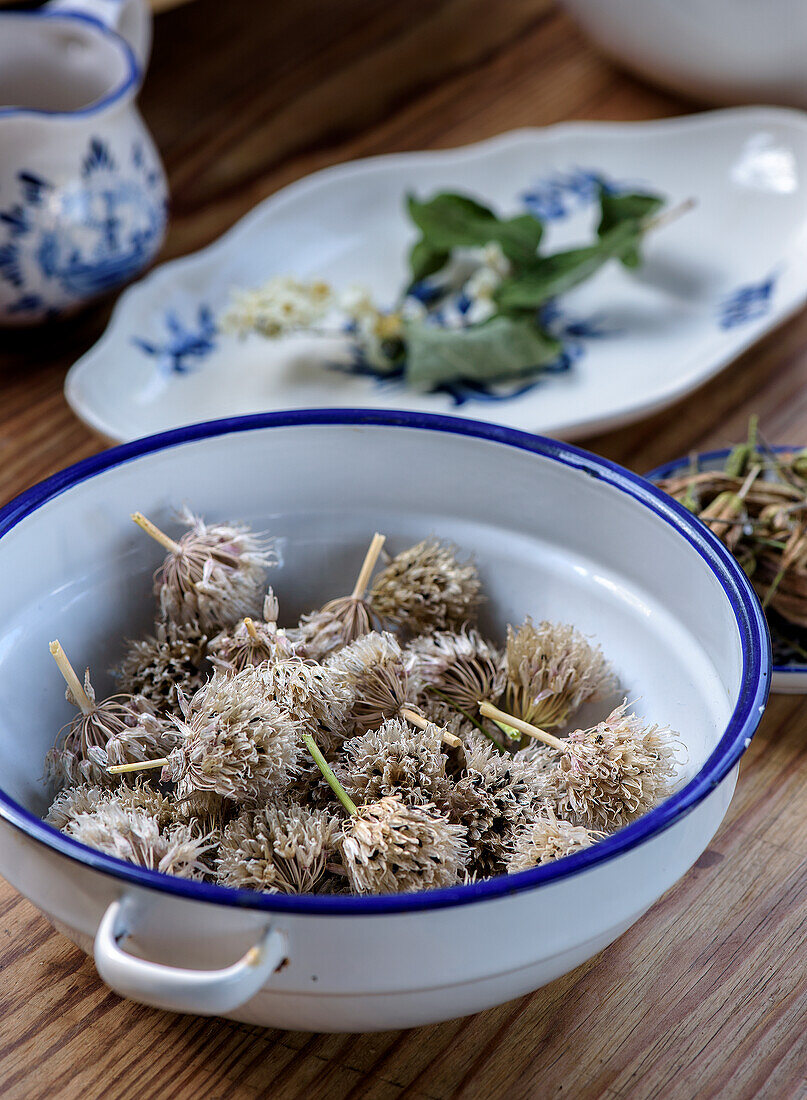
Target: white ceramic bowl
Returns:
[790, 679]
[720, 51]
[557, 533]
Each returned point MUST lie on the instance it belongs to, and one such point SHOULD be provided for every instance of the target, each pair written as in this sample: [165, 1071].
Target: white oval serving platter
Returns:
[712, 283]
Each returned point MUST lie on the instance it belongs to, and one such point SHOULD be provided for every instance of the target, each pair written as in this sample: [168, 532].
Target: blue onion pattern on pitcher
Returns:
[64, 243]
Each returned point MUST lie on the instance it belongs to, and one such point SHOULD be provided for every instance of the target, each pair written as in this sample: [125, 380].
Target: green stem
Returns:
[465, 714]
[332, 781]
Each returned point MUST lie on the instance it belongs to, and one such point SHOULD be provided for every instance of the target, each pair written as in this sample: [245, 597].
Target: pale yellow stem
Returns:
[138, 765]
[423, 723]
[155, 532]
[83, 700]
[253, 633]
[368, 565]
[489, 711]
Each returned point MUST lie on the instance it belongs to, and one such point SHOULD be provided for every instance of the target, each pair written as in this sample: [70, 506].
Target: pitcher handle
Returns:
[131, 19]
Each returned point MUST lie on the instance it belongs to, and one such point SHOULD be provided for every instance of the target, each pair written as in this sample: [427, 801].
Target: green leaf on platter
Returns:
[456, 221]
[425, 259]
[616, 209]
[554, 275]
[500, 349]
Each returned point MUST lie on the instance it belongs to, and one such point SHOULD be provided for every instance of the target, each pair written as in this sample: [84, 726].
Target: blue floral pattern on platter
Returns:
[747, 303]
[184, 345]
[561, 194]
[61, 244]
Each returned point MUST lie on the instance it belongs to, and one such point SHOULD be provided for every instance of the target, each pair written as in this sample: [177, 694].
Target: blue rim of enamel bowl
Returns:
[130, 80]
[704, 459]
[751, 626]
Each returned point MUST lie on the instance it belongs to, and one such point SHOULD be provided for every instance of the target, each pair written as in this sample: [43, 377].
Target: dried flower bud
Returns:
[374, 668]
[236, 741]
[317, 696]
[615, 772]
[170, 660]
[545, 839]
[552, 670]
[115, 731]
[277, 849]
[496, 794]
[462, 666]
[217, 577]
[339, 622]
[395, 759]
[73, 801]
[391, 848]
[427, 588]
[251, 642]
[132, 833]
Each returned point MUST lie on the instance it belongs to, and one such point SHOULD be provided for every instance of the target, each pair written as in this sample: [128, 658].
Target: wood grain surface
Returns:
[704, 997]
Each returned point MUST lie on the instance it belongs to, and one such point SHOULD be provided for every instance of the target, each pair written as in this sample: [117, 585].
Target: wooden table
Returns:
[707, 995]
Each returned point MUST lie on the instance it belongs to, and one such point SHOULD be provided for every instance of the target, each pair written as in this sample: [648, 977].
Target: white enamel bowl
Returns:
[790, 679]
[557, 533]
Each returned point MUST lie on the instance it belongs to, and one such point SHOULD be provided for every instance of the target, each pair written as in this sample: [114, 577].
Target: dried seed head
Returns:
[317, 696]
[171, 659]
[391, 848]
[338, 623]
[252, 642]
[495, 795]
[395, 759]
[317, 635]
[73, 801]
[552, 670]
[216, 577]
[134, 834]
[277, 849]
[374, 668]
[236, 741]
[615, 772]
[545, 839]
[205, 812]
[118, 730]
[427, 588]
[461, 665]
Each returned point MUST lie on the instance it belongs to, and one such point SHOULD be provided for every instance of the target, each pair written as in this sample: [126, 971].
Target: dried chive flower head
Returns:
[73, 801]
[235, 741]
[342, 620]
[495, 795]
[113, 731]
[462, 666]
[160, 665]
[615, 772]
[427, 588]
[134, 834]
[277, 849]
[391, 848]
[251, 642]
[317, 696]
[214, 574]
[545, 839]
[395, 759]
[552, 670]
[374, 667]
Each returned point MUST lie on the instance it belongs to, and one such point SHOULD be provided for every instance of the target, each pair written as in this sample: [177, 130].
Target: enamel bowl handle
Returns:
[131, 19]
[200, 992]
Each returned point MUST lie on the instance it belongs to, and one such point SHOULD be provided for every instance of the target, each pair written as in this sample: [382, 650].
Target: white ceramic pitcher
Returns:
[82, 191]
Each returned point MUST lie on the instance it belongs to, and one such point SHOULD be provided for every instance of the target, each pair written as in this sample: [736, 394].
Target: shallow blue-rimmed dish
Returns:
[558, 533]
[789, 679]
